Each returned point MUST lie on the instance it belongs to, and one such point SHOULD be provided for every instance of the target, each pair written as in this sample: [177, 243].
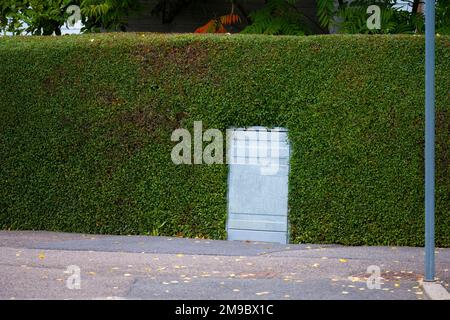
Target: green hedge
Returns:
[86, 123]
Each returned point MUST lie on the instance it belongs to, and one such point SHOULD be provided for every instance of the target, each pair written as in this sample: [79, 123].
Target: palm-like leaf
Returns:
[276, 18]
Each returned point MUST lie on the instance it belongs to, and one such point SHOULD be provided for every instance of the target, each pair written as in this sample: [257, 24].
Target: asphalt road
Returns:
[44, 265]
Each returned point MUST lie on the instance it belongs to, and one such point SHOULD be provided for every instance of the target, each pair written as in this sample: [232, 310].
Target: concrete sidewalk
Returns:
[34, 265]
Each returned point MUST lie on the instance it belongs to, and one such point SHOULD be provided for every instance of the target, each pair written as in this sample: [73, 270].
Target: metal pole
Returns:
[429, 140]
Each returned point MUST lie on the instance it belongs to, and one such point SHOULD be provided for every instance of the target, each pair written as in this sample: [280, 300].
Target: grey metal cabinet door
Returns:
[258, 185]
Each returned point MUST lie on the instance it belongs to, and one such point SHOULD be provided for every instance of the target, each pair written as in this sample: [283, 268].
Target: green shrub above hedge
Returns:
[86, 124]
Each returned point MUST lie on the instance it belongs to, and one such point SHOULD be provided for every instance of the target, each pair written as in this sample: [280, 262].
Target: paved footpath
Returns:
[34, 265]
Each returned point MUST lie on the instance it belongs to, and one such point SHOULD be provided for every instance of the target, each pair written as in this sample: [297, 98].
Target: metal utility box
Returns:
[258, 161]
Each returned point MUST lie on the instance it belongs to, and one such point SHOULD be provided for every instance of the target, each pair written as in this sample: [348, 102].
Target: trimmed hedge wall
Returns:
[86, 123]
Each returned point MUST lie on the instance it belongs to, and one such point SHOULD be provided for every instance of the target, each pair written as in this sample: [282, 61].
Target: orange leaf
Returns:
[209, 27]
[230, 19]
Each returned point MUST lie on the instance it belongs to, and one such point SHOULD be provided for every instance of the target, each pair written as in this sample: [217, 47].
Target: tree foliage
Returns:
[46, 17]
[106, 14]
[277, 17]
[33, 16]
[443, 16]
[351, 17]
[325, 11]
